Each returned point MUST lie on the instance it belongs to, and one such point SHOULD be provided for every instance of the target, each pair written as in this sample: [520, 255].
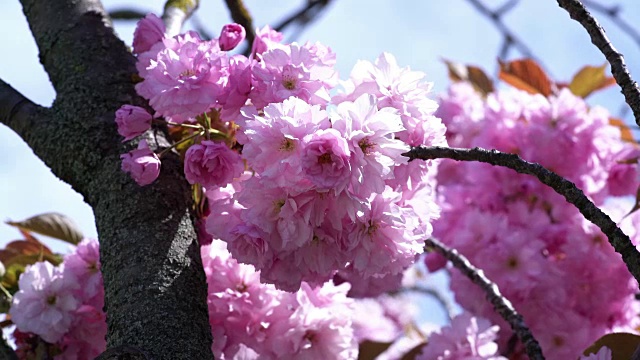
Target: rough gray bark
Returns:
[155, 289]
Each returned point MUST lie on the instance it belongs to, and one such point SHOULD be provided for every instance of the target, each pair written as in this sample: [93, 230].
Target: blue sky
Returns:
[418, 33]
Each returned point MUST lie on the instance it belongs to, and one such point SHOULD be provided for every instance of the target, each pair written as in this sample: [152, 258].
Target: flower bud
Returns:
[230, 36]
[132, 121]
[142, 164]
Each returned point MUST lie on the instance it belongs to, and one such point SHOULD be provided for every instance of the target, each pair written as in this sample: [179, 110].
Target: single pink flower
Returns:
[325, 160]
[212, 164]
[132, 121]
[45, 302]
[149, 31]
[230, 36]
[143, 164]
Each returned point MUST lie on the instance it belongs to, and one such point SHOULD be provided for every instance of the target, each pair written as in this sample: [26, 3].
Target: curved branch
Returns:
[501, 304]
[19, 113]
[618, 239]
[176, 12]
[630, 89]
[240, 14]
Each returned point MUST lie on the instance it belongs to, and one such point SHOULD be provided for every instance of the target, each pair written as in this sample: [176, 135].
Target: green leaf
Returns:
[590, 79]
[54, 225]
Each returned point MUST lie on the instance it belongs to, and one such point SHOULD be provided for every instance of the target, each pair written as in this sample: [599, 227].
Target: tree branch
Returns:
[176, 12]
[436, 295]
[501, 304]
[19, 113]
[613, 12]
[240, 14]
[618, 239]
[630, 89]
[155, 289]
[510, 39]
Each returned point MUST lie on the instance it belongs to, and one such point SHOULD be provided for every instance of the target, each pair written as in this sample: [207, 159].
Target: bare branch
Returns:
[19, 113]
[501, 304]
[613, 13]
[176, 12]
[304, 16]
[510, 38]
[618, 239]
[127, 14]
[241, 15]
[436, 295]
[630, 89]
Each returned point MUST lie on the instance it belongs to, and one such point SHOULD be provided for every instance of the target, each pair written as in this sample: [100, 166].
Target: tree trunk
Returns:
[155, 289]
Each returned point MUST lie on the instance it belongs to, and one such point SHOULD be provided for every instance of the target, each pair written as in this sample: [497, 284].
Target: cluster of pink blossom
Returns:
[537, 247]
[251, 320]
[62, 306]
[327, 190]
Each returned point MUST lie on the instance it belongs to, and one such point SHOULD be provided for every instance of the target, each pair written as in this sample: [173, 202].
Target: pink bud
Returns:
[143, 164]
[149, 31]
[132, 121]
[230, 36]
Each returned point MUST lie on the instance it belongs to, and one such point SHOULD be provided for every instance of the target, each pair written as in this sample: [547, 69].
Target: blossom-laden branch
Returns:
[630, 89]
[176, 12]
[618, 239]
[501, 304]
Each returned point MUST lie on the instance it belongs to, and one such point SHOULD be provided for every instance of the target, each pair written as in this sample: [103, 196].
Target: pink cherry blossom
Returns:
[467, 337]
[266, 39]
[325, 160]
[142, 164]
[184, 79]
[132, 121]
[149, 31]
[295, 70]
[230, 36]
[83, 265]
[45, 303]
[212, 164]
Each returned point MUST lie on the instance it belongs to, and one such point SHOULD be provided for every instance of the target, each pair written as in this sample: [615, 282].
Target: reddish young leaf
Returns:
[472, 74]
[590, 79]
[625, 131]
[526, 75]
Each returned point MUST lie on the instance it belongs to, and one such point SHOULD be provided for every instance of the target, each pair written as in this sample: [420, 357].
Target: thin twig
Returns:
[303, 16]
[241, 15]
[176, 12]
[630, 89]
[436, 295]
[618, 239]
[613, 13]
[126, 14]
[510, 39]
[501, 304]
